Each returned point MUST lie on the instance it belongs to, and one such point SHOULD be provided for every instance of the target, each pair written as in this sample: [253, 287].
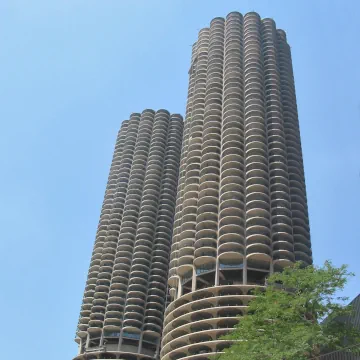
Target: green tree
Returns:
[285, 320]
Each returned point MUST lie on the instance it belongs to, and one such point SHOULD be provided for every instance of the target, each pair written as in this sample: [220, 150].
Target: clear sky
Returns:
[72, 70]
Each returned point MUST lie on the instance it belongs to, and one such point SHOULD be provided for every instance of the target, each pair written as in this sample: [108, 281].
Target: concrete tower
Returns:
[125, 296]
[241, 210]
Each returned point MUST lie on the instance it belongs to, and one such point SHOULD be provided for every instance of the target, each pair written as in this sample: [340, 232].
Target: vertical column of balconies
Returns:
[281, 224]
[186, 239]
[108, 251]
[112, 233]
[142, 251]
[114, 308]
[100, 236]
[124, 251]
[208, 197]
[299, 209]
[157, 291]
[118, 207]
[231, 240]
[173, 277]
[258, 236]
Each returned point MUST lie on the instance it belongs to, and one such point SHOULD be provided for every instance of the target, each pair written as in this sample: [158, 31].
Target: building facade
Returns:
[126, 289]
[241, 210]
[354, 320]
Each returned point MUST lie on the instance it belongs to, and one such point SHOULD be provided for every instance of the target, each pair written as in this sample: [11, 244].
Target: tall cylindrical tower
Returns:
[241, 210]
[126, 289]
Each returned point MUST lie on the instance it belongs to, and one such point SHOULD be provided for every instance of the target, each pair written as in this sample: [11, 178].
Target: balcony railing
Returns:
[111, 334]
[131, 335]
[203, 269]
[187, 276]
[232, 266]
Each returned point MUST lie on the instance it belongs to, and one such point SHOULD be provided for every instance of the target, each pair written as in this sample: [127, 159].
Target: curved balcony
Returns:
[211, 313]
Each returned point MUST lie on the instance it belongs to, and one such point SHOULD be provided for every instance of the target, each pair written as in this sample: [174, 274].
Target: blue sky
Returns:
[72, 70]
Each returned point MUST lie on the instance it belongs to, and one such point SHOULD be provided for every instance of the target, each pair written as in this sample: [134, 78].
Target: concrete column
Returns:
[193, 285]
[217, 273]
[80, 346]
[180, 289]
[245, 272]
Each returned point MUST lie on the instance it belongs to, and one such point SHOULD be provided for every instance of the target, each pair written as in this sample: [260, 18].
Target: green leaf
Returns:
[285, 322]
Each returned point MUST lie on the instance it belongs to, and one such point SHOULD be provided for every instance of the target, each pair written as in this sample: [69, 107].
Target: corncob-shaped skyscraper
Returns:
[241, 210]
[126, 290]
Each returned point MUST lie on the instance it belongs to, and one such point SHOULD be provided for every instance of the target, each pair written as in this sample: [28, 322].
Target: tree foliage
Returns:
[285, 320]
